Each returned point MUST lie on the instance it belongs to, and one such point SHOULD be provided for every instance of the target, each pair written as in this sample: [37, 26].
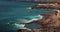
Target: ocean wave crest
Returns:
[17, 24]
[31, 18]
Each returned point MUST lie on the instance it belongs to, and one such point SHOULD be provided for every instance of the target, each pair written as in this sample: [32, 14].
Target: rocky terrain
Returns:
[41, 0]
[39, 30]
[50, 22]
[46, 6]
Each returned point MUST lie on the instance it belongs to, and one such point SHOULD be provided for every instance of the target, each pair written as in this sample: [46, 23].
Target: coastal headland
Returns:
[50, 21]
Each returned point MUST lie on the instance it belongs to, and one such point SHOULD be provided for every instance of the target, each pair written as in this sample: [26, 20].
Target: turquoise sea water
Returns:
[13, 13]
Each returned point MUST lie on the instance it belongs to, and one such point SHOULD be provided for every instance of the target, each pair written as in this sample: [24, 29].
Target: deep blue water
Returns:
[12, 13]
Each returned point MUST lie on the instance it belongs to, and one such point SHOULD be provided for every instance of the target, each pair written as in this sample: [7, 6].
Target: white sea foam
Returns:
[35, 19]
[32, 18]
[21, 26]
[29, 8]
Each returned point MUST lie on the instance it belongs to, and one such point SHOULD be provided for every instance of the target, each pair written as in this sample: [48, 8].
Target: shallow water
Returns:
[12, 13]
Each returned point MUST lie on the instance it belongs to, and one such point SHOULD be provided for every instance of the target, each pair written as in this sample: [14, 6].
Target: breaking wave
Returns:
[28, 19]
[16, 24]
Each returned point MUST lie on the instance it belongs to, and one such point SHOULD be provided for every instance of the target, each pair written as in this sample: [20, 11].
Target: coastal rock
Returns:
[46, 6]
[41, 0]
[39, 30]
[50, 23]
[50, 20]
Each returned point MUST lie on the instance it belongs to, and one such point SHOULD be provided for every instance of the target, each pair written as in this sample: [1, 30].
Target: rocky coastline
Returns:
[40, 0]
[50, 23]
[46, 6]
[39, 30]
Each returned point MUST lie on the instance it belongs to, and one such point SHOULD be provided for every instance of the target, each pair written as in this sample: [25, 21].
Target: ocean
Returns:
[12, 13]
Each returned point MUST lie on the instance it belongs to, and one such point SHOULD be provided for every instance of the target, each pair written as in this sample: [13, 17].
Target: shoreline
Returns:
[50, 23]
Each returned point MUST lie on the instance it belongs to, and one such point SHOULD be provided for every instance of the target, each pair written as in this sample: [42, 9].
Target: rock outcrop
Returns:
[50, 23]
[46, 6]
[41, 0]
[51, 20]
[39, 30]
